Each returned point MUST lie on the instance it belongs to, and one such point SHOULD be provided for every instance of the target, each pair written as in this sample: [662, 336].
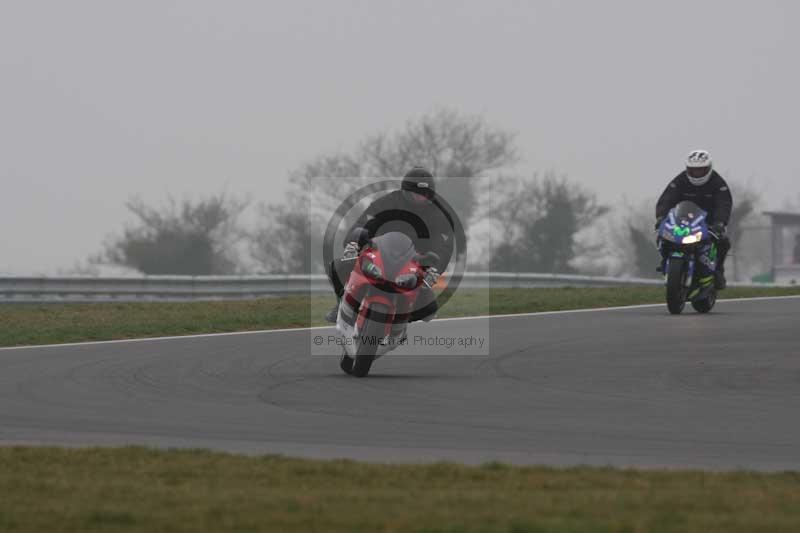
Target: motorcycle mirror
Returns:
[427, 259]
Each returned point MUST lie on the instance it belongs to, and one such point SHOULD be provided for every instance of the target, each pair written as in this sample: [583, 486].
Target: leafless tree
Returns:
[537, 221]
[450, 144]
[189, 238]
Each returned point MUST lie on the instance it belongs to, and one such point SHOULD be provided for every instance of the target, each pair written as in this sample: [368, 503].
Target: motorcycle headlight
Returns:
[406, 281]
[692, 239]
[372, 270]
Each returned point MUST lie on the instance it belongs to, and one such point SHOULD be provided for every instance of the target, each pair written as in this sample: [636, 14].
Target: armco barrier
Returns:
[183, 288]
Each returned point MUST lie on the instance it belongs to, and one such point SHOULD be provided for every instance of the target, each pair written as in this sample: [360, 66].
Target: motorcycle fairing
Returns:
[683, 220]
[393, 254]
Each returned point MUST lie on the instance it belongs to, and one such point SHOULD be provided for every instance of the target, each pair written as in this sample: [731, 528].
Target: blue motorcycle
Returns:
[689, 251]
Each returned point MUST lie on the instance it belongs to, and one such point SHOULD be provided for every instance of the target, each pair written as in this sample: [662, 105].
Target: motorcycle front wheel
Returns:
[676, 285]
[368, 338]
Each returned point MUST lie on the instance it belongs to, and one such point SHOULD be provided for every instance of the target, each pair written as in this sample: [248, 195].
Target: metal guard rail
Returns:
[185, 288]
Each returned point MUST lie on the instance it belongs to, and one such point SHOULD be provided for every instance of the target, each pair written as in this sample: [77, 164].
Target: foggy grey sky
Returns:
[102, 100]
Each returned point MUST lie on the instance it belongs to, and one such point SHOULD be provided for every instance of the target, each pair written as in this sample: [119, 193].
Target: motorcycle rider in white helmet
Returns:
[701, 184]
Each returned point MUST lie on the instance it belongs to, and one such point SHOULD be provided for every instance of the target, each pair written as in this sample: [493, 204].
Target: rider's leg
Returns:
[663, 262]
[338, 273]
[426, 306]
[723, 246]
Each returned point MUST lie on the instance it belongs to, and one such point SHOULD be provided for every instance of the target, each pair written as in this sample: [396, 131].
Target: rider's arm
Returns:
[444, 235]
[441, 240]
[668, 199]
[369, 219]
[723, 203]
[444, 249]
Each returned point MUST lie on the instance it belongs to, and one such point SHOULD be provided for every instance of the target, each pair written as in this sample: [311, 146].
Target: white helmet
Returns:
[698, 167]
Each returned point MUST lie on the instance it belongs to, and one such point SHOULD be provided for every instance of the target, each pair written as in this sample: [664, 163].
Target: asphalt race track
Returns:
[631, 386]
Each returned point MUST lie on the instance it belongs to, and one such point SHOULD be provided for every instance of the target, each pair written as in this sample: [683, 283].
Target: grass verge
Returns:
[26, 324]
[138, 489]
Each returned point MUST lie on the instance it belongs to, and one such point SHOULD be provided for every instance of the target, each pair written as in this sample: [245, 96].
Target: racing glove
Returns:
[350, 250]
[719, 229]
[431, 276]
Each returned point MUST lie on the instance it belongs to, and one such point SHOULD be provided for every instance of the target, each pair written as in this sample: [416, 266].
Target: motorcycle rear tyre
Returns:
[346, 363]
[706, 304]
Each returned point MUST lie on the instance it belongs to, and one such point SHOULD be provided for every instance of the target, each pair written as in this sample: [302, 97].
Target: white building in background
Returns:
[785, 241]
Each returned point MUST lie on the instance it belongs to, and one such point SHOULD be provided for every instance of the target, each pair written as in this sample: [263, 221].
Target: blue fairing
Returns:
[686, 220]
[684, 233]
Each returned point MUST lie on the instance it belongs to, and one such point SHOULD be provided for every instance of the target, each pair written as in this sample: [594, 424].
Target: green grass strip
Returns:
[27, 324]
[143, 490]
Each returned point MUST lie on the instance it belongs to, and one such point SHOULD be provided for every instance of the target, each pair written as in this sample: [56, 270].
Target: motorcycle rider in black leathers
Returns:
[701, 184]
[413, 210]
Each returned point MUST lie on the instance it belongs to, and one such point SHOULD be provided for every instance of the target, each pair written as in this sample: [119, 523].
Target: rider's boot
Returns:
[334, 312]
[661, 268]
[719, 279]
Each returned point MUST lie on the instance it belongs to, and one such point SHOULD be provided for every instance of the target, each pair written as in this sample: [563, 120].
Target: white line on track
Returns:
[285, 330]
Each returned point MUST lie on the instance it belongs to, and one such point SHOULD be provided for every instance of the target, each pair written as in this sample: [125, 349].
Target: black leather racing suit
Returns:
[714, 197]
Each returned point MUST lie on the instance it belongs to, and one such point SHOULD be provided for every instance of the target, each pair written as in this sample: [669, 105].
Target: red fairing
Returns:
[358, 285]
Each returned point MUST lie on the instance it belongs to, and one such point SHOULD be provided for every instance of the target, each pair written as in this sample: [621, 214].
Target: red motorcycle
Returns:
[388, 287]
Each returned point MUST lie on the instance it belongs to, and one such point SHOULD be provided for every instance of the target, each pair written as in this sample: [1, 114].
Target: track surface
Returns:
[621, 387]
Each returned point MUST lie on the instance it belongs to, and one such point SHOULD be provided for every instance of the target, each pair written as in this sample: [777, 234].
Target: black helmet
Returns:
[419, 180]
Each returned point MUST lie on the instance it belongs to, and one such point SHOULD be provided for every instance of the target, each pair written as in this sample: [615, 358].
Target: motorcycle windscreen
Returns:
[396, 251]
[688, 212]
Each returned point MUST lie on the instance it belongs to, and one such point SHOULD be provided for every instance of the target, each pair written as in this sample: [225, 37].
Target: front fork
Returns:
[689, 267]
